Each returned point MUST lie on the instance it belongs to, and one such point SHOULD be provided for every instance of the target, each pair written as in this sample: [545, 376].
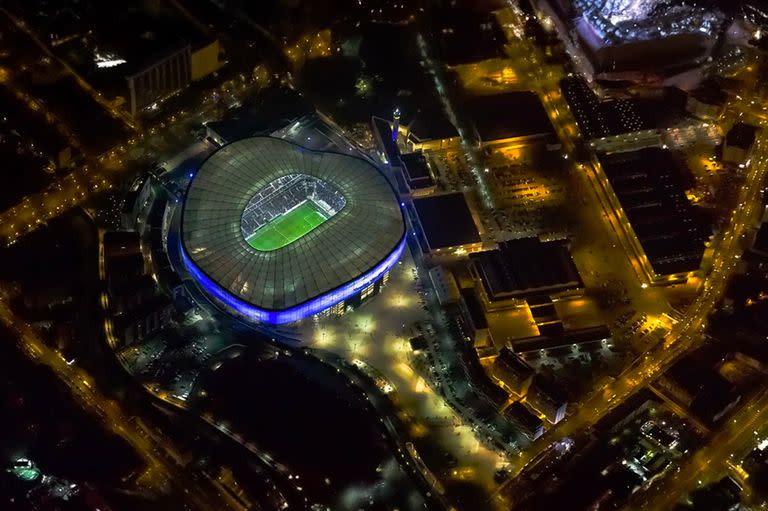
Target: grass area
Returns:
[285, 229]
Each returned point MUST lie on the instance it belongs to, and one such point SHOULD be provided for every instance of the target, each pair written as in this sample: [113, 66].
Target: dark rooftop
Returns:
[446, 220]
[513, 364]
[526, 267]
[547, 390]
[741, 135]
[271, 110]
[761, 240]
[416, 170]
[518, 414]
[431, 123]
[710, 93]
[121, 243]
[508, 115]
[649, 186]
[474, 308]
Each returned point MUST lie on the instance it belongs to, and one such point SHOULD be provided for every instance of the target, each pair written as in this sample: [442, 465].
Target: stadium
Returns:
[276, 232]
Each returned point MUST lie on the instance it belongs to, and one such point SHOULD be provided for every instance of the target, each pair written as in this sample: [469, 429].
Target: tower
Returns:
[395, 124]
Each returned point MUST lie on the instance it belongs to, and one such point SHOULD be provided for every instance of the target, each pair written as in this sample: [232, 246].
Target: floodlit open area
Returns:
[375, 339]
[287, 228]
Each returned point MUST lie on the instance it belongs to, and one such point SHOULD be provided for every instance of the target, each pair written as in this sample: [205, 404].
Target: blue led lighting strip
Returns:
[306, 309]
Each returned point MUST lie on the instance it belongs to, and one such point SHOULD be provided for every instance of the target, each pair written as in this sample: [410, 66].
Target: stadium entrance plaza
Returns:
[377, 334]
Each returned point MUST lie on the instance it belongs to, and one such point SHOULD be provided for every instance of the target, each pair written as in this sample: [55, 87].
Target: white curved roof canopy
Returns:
[354, 240]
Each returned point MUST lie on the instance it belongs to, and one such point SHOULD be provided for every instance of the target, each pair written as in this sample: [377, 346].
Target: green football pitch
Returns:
[285, 229]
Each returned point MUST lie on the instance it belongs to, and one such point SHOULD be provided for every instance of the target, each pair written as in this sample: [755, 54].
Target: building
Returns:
[444, 225]
[416, 174]
[388, 149]
[756, 465]
[724, 495]
[133, 201]
[510, 118]
[670, 234]
[738, 143]
[445, 285]
[631, 40]
[602, 118]
[707, 101]
[159, 78]
[512, 372]
[555, 337]
[122, 257]
[524, 421]
[272, 109]
[256, 235]
[121, 244]
[430, 129]
[154, 71]
[473, 319]
[136, 309]
[523, 268]
[143, 321]
[707, 394]
[547, 399]
[130, 294]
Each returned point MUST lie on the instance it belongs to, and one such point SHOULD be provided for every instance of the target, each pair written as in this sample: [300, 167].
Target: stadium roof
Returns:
[358, 239]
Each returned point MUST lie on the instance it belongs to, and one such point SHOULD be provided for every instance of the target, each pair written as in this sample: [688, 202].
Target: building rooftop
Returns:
[446, 221]
[741, 135]
[121, 243]
[508, 115]
[599, 118]
[431, 123]
[526, 267]
[761, 240]
[509, 363]
[416, 170]
[474, 308]
[545, 390]
[649, 186]
[273, 108]
[518, 414]
[710, 93]
[580, 336]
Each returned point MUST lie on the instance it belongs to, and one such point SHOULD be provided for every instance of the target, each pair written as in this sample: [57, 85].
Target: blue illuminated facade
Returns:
[298, 312]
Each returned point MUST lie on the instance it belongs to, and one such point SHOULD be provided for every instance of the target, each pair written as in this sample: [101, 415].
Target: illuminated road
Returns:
[739, 435]
[164, 465]
[83, 183]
